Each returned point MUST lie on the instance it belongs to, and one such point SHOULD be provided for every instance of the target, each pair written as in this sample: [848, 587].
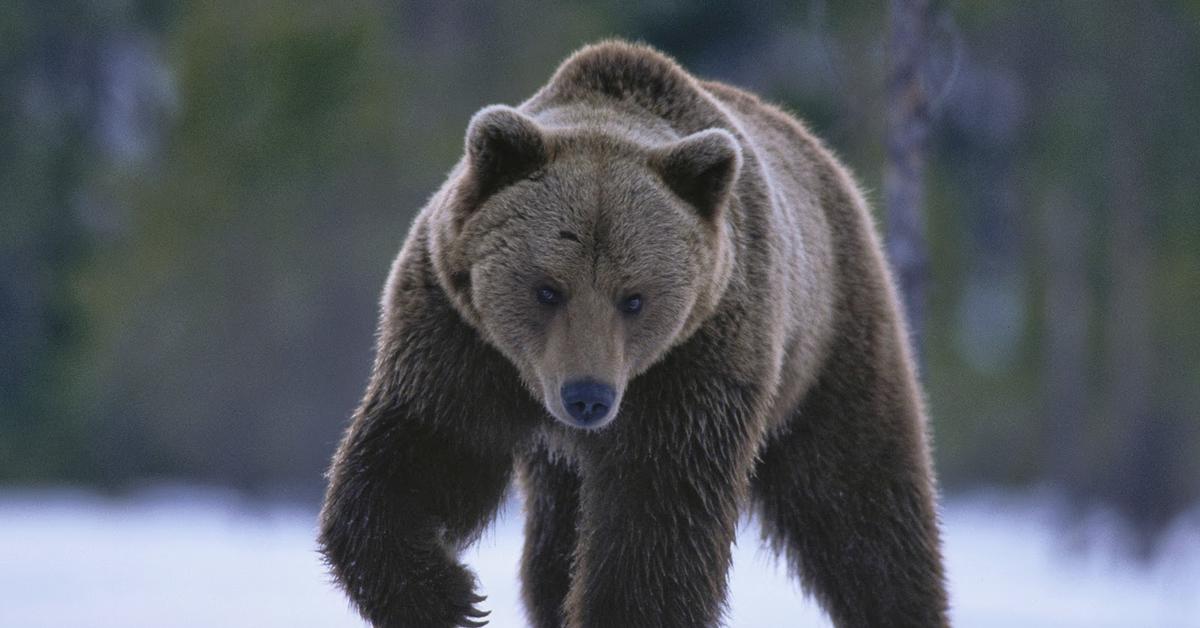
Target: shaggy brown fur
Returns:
[767, 367]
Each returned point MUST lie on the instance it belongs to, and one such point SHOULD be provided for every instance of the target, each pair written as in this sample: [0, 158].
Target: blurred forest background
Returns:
[199, 203]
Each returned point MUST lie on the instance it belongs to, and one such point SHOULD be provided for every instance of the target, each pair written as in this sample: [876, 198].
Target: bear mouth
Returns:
[561, 415]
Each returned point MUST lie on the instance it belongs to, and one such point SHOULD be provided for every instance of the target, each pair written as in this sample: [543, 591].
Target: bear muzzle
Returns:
[588, 402]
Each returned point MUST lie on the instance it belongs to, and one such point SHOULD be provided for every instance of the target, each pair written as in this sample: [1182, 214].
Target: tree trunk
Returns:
[1136, 480]
[1067, 303]
[908, 119]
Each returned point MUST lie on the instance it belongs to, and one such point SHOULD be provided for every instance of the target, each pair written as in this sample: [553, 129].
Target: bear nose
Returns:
[587, 400]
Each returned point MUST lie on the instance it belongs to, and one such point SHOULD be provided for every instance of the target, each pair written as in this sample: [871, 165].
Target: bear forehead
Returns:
[570, 221]
[594, 199]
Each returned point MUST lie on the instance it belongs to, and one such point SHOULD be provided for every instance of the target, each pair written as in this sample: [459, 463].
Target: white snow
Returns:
[188, 557]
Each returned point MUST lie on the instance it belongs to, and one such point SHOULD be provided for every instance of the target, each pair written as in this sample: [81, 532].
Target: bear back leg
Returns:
[551, 491]
[846, 492]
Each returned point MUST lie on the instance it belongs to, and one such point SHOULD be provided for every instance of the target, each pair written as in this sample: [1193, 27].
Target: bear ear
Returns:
[701, 168]
[503, 146]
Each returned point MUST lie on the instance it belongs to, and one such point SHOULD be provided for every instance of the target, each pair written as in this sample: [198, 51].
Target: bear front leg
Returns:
[847, 490]
[401, 503]
[551, 489]
[654, 549]
[659, 503]
[425, 462]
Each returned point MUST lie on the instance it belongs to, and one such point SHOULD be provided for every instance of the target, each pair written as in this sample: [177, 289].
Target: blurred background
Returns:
[199, 203]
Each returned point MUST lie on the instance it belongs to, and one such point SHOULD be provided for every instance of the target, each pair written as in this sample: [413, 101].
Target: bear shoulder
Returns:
[635, 75]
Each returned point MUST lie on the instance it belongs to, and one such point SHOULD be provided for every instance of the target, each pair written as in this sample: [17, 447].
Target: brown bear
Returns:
[659, 302]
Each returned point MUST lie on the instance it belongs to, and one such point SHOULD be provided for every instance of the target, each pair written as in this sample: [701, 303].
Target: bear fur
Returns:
[767, 369]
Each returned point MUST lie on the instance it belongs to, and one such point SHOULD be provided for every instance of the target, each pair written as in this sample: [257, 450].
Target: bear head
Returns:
[585, 252]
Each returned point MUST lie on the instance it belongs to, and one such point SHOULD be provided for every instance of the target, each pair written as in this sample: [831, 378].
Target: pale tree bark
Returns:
[908, 121]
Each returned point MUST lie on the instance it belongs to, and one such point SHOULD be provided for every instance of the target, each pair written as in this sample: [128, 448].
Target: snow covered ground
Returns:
[188, 557]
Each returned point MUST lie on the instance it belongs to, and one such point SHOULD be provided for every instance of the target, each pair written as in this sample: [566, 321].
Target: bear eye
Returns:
[548, 295]
[632, 305]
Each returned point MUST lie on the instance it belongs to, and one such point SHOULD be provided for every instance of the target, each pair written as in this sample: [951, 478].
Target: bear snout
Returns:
[587, 401]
